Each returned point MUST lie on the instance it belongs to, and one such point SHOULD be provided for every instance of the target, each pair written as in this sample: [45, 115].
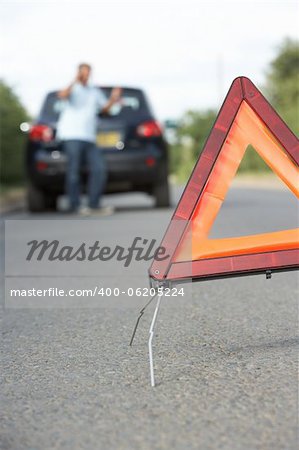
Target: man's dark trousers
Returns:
[78, 152]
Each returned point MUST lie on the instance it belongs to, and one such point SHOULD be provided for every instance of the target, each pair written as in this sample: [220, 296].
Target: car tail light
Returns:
[150, 161]
[41, 165]
[148, 129]
[41, 133]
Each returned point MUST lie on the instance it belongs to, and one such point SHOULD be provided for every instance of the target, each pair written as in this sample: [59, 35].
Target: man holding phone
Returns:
[77, 128]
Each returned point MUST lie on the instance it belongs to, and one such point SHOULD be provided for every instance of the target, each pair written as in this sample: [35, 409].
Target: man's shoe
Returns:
[103, 211]
[84, 211]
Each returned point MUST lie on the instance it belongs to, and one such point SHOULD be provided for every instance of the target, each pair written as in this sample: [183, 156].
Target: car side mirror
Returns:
[171, 124]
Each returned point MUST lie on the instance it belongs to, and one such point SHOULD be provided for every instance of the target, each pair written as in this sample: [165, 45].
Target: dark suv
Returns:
[131, 139]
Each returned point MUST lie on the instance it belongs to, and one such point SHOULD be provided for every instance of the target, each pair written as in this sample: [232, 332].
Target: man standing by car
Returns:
[77, 128]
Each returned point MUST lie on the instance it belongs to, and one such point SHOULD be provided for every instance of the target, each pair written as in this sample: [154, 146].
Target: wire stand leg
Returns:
[139, 317]
[151, 335]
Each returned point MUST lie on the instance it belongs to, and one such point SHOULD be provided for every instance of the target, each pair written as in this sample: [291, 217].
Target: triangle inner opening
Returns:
[256, 202]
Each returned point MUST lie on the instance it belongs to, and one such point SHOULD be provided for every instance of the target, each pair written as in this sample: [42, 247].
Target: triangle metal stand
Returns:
[151, 335]
[159, 296]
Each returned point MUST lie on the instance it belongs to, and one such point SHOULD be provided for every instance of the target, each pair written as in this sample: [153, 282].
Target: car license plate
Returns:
[108, 139]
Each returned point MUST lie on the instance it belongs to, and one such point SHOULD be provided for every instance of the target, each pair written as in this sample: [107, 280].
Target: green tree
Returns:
[281, 89]
[191, 134]
[12, 140]
[282, 83]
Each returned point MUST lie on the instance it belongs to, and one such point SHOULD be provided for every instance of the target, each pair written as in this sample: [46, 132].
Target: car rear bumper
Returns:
[126, 170]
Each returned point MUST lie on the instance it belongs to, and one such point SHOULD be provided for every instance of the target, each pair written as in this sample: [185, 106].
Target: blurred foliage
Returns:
[252, 162]
[191, 134]
[282, 90]
[12, 140]
[282, 83]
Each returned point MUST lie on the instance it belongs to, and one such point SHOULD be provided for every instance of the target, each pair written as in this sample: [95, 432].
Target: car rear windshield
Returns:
[132, 104]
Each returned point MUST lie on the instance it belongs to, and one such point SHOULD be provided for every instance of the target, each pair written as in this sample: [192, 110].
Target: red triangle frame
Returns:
[167, 270]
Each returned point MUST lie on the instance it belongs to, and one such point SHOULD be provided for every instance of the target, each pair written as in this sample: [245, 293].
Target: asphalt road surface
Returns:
[226, 355]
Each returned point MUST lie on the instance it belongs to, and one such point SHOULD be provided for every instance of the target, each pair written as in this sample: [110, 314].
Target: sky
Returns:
[184, 53]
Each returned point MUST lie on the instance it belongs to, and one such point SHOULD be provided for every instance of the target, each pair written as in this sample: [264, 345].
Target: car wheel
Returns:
[162, 194]
[51, 202]
[36, 199]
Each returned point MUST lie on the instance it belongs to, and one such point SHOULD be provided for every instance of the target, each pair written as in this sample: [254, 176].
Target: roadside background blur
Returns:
[184, 54]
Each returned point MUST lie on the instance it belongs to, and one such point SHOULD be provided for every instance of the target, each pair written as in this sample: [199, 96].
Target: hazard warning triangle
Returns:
[245, 118]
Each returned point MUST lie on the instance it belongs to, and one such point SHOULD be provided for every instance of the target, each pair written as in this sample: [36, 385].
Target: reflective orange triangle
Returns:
[245, 118]
[246, 129]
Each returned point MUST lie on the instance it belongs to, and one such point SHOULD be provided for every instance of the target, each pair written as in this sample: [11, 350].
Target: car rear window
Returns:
[132, 104]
